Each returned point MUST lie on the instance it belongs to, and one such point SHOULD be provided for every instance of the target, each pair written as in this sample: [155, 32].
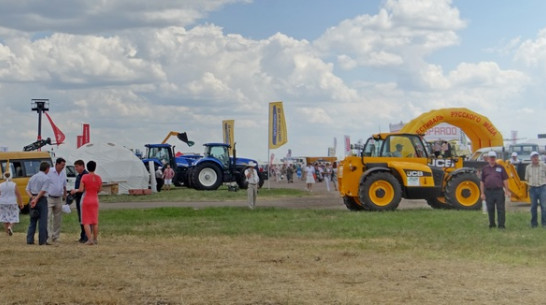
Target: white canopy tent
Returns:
[115, 164]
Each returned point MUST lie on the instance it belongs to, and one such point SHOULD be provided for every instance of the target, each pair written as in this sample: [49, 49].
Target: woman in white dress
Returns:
[310, 176]
[10, 202]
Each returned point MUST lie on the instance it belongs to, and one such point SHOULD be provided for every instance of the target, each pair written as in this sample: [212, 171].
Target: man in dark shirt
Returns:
[494, 179]
[79, 165]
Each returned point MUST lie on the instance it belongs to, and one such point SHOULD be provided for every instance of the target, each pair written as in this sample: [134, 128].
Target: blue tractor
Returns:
[206, 172]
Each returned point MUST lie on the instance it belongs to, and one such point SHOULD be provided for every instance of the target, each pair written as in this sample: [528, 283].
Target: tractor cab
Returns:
[218, 151]
[160, 154]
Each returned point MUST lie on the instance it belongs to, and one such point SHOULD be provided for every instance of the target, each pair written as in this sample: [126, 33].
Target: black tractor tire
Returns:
[262, 180]
[380, 191]
[438, 203]
[463, 191]
[177, 181]
[242, 182]
[352, 204]
[206, 177]
[187, 182]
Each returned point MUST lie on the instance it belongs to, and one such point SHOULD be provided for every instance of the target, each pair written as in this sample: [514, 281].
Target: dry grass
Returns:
[250, 270]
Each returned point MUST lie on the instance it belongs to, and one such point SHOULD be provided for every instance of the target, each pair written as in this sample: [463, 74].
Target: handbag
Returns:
[66, 209]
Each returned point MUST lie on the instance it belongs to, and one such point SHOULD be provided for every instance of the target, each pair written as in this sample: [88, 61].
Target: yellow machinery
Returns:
[22, 165]
[392, 166]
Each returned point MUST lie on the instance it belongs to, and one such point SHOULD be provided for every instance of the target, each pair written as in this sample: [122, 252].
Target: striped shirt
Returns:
[535, 175]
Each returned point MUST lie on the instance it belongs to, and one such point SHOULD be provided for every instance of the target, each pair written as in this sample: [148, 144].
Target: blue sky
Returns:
[136, 71]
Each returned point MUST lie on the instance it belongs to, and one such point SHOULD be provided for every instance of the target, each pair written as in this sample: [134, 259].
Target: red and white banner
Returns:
[347, 145]
[59, 135]
[79, 141]
[85, 134]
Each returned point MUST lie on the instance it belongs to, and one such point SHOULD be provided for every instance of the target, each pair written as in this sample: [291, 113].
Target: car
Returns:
[71, 175]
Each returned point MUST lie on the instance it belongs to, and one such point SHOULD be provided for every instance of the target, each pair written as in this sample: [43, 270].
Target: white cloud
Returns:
[90, 17]
[401, 26]
[134, 86]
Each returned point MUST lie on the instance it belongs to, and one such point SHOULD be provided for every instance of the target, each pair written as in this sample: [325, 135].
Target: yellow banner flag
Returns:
[228, 130]
[277, 125]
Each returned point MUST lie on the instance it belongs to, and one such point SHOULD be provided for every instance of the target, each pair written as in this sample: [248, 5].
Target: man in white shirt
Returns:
[252, 177]
[56, 196]
[535, 175]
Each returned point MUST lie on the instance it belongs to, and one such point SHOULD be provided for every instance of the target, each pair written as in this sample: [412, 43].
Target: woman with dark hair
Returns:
[90, 185]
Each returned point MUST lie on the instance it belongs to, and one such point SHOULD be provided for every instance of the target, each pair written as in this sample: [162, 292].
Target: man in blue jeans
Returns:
[37, 191]
[535, 175]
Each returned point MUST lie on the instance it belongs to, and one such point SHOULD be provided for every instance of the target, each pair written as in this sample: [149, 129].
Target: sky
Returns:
[136, 70]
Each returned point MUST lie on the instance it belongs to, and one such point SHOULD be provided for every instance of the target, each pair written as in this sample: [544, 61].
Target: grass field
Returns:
[190, 195]
[280, 256]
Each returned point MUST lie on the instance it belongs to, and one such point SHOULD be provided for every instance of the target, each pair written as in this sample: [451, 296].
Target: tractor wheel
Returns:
[177, 181]
[463, 192]
[353, 203]
[187, 181]
[380, 191]
[438, 203]
[206, 176]
[242, 182]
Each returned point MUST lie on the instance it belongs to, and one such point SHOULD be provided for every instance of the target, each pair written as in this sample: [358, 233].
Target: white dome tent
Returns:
[115, 164]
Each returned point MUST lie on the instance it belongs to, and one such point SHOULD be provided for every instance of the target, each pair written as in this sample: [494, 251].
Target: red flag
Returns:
[347, 145]
[59, 135]
[85, 135]
[80, 141]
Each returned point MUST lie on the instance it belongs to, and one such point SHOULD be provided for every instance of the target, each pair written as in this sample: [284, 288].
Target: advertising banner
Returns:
[228, 132]
[277, 125]
[85, 135]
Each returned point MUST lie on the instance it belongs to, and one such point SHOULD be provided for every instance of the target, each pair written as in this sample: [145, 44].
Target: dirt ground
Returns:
[252, 271]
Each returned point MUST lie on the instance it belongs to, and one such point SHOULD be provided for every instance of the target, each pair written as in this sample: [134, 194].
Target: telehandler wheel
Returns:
[438, 203]
[463, 192]
[206, 176]
[380, 191]
[352, 203]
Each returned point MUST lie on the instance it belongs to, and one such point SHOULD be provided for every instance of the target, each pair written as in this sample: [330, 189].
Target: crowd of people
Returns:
[311, 173]
[47, 192]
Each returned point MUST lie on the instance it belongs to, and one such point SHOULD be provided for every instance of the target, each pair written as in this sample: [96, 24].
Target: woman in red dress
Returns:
[90, 186]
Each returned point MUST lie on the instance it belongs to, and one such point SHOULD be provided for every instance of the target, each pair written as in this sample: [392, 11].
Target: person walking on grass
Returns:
[535, 175]
[10, 203]
[90, 186]
[252, 177]
[37, 191]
